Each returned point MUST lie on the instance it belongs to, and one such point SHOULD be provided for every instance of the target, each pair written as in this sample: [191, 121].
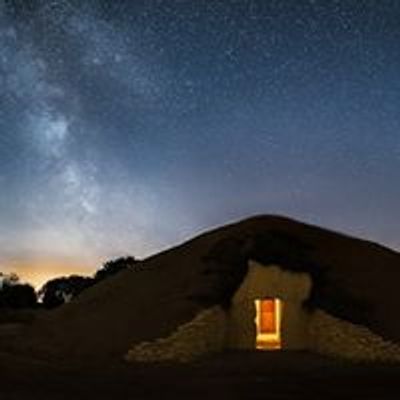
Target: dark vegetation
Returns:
[227, 263]
[296, 255]
[60, 290]
[15, 295]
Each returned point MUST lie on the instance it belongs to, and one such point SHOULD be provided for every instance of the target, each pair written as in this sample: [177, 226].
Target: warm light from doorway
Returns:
[268, 324]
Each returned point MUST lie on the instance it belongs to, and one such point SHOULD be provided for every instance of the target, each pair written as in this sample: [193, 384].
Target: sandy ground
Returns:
[233, 375]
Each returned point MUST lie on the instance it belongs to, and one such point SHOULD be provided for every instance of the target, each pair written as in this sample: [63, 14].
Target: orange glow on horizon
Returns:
[38, 272]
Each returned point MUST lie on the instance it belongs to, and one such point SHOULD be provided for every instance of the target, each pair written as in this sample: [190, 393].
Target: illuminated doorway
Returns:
[268, 324]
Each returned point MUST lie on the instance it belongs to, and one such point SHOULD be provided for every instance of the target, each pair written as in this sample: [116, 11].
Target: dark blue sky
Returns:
[129, 126]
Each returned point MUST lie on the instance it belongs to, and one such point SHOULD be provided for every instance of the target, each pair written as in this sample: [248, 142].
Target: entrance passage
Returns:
[268, 323]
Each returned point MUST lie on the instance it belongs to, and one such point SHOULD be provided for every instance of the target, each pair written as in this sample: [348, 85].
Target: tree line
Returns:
[17, 295]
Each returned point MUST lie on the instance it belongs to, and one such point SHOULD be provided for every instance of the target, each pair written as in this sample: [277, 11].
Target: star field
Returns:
[126, 127]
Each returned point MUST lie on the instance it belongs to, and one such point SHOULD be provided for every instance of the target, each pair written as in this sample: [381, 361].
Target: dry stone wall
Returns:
[335, 337]
[208, 332]
[205, 334]
[213, 329]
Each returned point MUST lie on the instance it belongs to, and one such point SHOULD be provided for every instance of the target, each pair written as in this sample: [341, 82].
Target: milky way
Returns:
[126, 127]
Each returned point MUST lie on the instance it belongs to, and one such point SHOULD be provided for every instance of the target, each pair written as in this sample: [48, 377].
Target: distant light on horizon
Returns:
[42, 271]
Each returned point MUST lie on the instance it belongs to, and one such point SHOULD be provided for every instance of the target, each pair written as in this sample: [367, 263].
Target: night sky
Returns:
[130, 126]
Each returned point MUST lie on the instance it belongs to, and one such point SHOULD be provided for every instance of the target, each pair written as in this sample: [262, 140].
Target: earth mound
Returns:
[352, 279]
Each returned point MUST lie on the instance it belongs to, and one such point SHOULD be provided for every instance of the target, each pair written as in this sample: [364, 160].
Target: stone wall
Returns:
[213, 329]
[334, 337]
[270, 282]
[205, 334]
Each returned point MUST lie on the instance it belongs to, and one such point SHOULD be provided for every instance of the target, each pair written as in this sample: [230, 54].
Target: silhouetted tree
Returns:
[114, 266]
[14, 294]
[61, 290]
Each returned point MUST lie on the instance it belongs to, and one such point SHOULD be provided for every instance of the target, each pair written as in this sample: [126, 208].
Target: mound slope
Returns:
[352, 279]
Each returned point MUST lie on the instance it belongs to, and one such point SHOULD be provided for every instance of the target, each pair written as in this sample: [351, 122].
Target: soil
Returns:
[232, 375]
[353, 280]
